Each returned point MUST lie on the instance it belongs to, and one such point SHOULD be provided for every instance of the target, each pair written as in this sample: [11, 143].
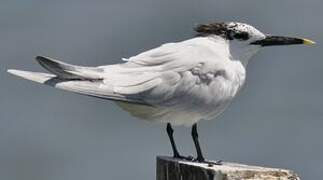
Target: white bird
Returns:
[177, 83]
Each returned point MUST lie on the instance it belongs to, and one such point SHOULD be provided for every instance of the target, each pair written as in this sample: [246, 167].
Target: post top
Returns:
[226, 171]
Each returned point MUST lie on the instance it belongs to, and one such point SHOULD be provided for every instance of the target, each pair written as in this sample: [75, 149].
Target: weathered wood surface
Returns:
[169, 168]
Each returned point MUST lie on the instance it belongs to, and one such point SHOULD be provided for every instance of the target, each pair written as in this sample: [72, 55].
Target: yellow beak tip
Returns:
[308, 42]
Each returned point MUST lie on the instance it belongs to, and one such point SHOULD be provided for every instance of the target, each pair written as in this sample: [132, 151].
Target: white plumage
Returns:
[180, 83]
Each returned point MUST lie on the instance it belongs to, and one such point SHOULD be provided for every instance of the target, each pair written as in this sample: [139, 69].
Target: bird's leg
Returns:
[170, 132]
[200, 157]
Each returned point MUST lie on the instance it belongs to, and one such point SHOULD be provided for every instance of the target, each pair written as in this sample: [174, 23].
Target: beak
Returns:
[281, 40]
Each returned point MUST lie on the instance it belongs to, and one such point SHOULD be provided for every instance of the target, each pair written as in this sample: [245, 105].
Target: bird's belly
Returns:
[190, 112]
[181, 114]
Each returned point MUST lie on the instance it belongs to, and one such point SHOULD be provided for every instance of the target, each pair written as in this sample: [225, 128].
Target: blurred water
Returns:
[48, 134]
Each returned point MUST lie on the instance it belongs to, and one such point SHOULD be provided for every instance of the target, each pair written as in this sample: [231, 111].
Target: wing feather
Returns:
[163, 73]
[185, 80]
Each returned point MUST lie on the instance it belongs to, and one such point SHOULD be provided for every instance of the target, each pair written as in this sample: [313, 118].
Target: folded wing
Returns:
[159, 77]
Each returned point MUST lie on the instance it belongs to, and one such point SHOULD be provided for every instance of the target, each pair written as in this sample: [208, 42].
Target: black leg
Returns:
[170, 132]
[200, 157]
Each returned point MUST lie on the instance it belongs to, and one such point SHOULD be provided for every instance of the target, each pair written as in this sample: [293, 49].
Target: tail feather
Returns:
[33, 76]
[68, 71]
[95, 88]
[78, 79]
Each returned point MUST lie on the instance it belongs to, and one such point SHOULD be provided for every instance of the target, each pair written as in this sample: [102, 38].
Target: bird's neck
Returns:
[238, 51]
[242, 52]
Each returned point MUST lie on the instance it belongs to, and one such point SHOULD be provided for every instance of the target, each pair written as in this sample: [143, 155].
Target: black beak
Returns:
[281, 40]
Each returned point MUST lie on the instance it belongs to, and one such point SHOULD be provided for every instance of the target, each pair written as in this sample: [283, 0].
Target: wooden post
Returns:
[169, 168]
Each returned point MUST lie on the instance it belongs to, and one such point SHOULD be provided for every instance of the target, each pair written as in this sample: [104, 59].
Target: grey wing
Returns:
[157, 69]
[174, 77]
[150, 78]
[120, 82]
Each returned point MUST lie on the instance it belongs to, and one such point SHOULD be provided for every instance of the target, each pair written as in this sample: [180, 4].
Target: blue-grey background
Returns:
[49, 134]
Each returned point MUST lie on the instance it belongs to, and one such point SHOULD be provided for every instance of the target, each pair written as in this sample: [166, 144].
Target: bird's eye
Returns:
[241, 36]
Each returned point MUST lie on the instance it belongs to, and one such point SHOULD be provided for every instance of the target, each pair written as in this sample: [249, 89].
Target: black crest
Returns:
[222, 29]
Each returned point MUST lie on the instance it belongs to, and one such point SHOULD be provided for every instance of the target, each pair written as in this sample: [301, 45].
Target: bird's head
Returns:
[245, 40]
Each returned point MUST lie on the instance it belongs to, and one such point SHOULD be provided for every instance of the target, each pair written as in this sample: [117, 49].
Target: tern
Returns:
[176, 83]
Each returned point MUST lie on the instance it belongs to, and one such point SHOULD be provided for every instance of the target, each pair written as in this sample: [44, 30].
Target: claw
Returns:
[218, 163]
[210, 163]
[187, 158]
